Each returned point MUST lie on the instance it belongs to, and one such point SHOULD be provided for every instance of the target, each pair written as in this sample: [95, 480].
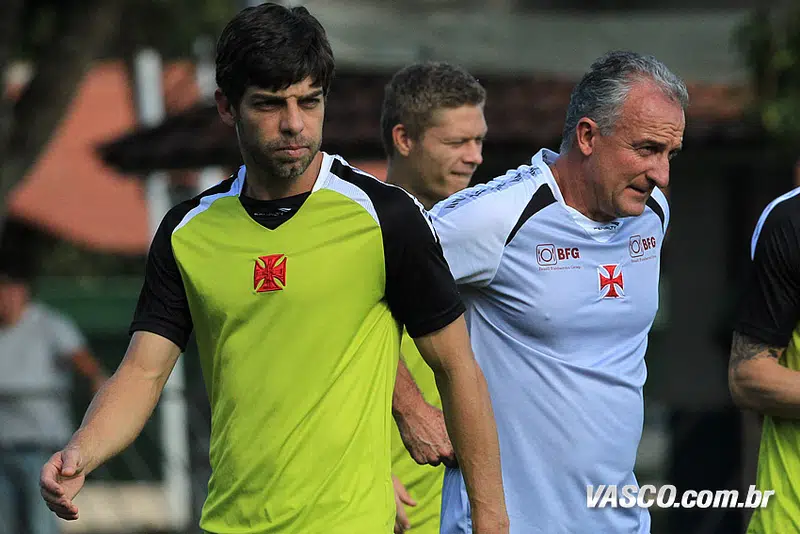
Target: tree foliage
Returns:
[770, 45]
[172, 26]
[60, 39]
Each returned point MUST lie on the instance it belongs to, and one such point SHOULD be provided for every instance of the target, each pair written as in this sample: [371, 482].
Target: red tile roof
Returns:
[70, 192]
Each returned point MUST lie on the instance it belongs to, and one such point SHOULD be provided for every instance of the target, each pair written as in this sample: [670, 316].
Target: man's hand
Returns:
[421, 425]
[62, 477]
[401, 499]
[424, 434]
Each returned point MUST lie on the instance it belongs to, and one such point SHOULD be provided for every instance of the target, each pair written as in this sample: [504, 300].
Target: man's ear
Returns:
[586, 134]
[225, 108]
[402, 140]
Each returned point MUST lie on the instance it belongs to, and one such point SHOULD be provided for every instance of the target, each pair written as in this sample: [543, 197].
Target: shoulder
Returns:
[500, 205]
[182, 213]
[48, 318]
[41, 312]
[507, 190]
[782, 216]
[344, 177]
[388, 204]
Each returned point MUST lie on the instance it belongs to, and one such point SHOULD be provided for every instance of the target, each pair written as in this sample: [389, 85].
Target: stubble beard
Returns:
[283, 169]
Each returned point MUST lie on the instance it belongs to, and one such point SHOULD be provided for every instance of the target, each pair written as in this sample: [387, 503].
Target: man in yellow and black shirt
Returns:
[764, 373]
[296, 275]
[433, 128]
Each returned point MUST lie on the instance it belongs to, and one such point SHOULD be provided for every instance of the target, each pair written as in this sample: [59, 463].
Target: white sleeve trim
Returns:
[765, 214]
[662, 201]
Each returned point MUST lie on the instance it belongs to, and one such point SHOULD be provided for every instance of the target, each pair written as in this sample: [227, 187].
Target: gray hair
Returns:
[603, 89]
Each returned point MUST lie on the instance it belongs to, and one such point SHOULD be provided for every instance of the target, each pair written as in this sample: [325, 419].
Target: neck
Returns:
[575, 188]
[263, 186]
[403, 176]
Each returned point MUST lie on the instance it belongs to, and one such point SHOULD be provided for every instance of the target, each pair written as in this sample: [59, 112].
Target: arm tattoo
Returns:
[745, 348]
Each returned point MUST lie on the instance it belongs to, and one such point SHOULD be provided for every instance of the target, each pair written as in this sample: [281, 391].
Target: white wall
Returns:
[695, 44]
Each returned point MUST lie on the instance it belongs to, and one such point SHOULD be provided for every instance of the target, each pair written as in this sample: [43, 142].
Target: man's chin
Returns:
[457, 182]
[631, 209]
[290, 168]
[461, 178]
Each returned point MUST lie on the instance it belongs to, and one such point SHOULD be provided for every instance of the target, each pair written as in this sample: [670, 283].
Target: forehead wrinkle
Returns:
[639, 125]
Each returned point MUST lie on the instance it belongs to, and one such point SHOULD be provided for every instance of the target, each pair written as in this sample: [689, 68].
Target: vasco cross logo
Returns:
[270, 273]
[611, 278]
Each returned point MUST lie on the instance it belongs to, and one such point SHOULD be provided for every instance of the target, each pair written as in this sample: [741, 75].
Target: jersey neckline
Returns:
[599, 231]
[239, 182]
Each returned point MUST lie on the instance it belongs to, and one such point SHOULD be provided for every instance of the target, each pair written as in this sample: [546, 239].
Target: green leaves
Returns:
[171, 26]
[769, 43]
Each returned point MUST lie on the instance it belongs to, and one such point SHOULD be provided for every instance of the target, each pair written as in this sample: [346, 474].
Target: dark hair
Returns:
[417, 91]
[603, 89]
[272, 47]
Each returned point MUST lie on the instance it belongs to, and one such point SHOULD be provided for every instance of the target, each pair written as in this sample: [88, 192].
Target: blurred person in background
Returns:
[433, 128]
[558, 263]
[296, 275]
[764, 369]
[39, 348]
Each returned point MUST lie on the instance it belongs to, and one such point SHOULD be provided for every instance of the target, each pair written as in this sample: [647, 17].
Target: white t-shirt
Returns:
[35, 378]
[559, 308]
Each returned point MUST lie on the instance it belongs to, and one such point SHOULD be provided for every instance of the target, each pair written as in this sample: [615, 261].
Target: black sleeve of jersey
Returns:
[163, 308]
[420, 290]
[770, 309]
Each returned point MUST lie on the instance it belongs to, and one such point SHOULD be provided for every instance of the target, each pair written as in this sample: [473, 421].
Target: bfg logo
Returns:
[548, 254]
[638, 245]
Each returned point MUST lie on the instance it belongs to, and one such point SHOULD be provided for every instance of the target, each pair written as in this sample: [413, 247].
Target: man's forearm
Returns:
[115, 417]
[768, 388]
[406, 397]
[759, 382]
[470, 422]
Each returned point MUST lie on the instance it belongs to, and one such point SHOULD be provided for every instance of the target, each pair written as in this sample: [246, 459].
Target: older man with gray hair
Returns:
[558, 264]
